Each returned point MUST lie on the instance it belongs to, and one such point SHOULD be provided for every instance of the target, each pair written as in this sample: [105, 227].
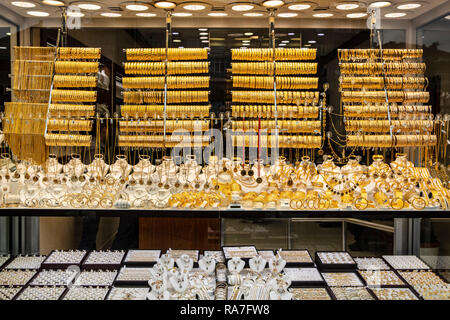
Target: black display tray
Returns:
[404, 285]
[62, 266]
[67, 291]
[333, 296]
[99, 266]
[308, 284]
[300, 264]
[429, 268]
[364, 284]
[389, 268]
[334, 266]
[246, 260]
[16, 297]
[11, 259]
[125, 286]
[195, 259]
[139, 263]
[14, 287]
[128, 283]
[6, 261]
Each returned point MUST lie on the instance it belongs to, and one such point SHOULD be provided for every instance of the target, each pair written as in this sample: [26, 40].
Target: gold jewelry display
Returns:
[282, 68]
[159, 54]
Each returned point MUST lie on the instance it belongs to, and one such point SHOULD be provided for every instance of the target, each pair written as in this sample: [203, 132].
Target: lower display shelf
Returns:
[222, 213]
[173, 275]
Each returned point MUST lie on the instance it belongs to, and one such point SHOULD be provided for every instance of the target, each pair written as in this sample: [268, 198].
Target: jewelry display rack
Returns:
[256, 114]
[170, 93]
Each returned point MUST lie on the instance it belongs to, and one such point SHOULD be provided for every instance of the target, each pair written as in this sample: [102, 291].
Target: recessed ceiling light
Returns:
[146, 14]
[248, 34]
[181, 47]
[447, 17]
[356, 15]
[110, 14]
[282, 44]
[291, 34]
[203, 33]
[273, 3]
[38, 13]
[246, 44]
[347, 6]
[321, 34]
[217, 14]
[205, 41]
[203, 38]
[322, 15]
[299, 6]
[8, 33]
[175, 33]
[194, 7]
[89, 6]
[380, 4]
[307, 45]
[203, 29]
[165, 4]
[23, 4]
[176, 40]
[136, 7]
[287, 15]
[246, 41]
[182, 14]
[285, 41]
[253, 14]
[242, 7]
[395, 15]
[75, 14]
[409, 6]
[54, 3]
[312, 41]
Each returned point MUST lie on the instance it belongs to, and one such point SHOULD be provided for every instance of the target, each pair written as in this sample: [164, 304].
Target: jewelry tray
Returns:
[334, 266]
[139, 263]
[309, 284]
[98, 266]
[300, 264]
[56, 266]
[247, 265]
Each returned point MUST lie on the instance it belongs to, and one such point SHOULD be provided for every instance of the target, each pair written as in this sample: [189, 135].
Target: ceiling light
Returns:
[312, 41]
[194, 7]
[23, 4]
[356, 15]
[248, 34]
[253, 14]
[89, 6]
[322, 15]
[321, 34]
[175, 33]
[176, 40]
[218, 14]
[300, 6]
[380, 4]
[447, 17]
[287, 15]
[285, 41]
[307, 45]
[245, 41]
[395, 15]
[203, 33]
[110, 14]
[54, 3]
[205, 41]
[136, 7]
[207, 48]
[75, 14]
[165, 4]
[8, 33]
[181, 47]
[273, 3]
[291, 34]
[146, 14]
[182, 14]
[409, 6]
[203, 29]
[242, 7]
[246, 44]
[347, 6]
[38, 13]
[282, 44]
[203, 38]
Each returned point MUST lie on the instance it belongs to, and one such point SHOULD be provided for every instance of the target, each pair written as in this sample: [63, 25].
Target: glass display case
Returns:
[274, 128]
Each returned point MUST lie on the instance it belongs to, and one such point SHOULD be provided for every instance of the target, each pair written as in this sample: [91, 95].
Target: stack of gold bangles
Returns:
[380, 96]
[159, 54]
[66, 53]
[73, 96]
[386, 141]
[157, 68]
[148, 111]
[288, 97]
[69, 125]
[172, 96]
[266, 54]
[284, 141]
[285, 125]
[76, 67]
[156, 141]
[384, 125]
[75, 140]
[378, 82]
[172, 82]
[381, 111]
[71, 110]
[388, 54]
[268, 111]
[392, 68]
[158, 125]
[282, 82]
[266, 68]
[62, 81]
